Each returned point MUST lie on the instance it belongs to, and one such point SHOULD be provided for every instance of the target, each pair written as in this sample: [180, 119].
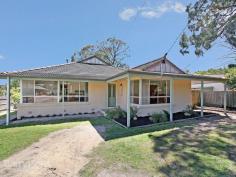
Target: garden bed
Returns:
[141, 121]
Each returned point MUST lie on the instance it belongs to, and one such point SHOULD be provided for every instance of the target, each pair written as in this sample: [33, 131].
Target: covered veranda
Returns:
[134, 75]
[170, 102]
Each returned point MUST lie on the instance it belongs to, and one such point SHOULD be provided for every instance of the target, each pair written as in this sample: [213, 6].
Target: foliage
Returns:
[167, 114]
[159, 117]
[2, 90]
[189, 111]
[15, 95]
[115, 113]
[112, 50]
[231, 76]
[15, 92]
[212, 71]
[133, 111]
[209, 20]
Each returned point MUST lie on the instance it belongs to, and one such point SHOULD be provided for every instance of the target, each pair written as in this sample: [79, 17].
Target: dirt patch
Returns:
[62, 153]
[122, 171]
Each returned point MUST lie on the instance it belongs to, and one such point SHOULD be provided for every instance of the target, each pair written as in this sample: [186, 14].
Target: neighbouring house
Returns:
[210, 86]
[93, 85]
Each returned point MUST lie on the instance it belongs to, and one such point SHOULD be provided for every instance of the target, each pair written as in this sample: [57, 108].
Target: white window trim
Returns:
[141, 97]
[58, 91]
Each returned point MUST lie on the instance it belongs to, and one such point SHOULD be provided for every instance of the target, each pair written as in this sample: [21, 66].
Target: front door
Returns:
[111, 95]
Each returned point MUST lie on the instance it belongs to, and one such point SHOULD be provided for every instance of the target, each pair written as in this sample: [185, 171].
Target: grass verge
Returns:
[178, 149]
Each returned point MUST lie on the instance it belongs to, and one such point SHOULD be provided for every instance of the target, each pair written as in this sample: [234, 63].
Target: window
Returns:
[39, 91]
[153, 92]
[74, 91]
[134, 92]
[28, 91]
[46, 91]
[159, 92]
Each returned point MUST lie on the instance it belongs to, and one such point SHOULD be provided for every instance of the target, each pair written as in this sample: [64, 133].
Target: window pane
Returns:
[153, 90]
[168, 87]
[134, 84]
[46, 88]
[145, 91]
[71, 99]
[28, 100]
[27, 88]
[71, 88]
[83, 89]
[42, 99]
[61, 88]
[83, 99]
[162, 88]
[153, 100]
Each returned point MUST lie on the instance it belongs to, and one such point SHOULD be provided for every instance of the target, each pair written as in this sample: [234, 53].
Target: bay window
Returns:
[153, 92]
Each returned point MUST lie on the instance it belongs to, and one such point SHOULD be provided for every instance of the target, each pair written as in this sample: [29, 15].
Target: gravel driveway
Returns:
[62, 153]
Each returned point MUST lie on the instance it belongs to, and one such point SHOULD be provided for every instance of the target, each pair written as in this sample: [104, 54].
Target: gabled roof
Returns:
[69, 71]
[94, 57]
[144, 66]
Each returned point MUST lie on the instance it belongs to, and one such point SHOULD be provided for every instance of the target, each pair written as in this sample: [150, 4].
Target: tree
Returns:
[113, 51]
[2, 90]
[15, 92]
[209, 20]
[87, 51]
[231, 76]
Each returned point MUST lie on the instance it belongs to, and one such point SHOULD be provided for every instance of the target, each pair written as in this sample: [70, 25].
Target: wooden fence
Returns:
[214, 98]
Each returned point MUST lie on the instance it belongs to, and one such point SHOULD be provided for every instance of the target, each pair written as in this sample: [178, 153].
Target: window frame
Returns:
[149, 97]
[58, 97]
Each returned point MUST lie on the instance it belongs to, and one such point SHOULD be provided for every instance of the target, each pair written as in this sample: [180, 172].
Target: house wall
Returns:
[98, 100]
[97, 92]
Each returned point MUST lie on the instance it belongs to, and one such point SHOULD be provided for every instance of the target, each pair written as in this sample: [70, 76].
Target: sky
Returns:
[46, 32]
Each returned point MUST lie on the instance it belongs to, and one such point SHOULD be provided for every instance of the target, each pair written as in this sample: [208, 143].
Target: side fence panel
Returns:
[215, 98]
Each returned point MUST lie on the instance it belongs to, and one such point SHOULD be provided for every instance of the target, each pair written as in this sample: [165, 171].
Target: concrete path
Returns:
[62, 153]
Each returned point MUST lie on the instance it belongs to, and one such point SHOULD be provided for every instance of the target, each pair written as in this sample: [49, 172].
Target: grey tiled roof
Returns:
[69, 71]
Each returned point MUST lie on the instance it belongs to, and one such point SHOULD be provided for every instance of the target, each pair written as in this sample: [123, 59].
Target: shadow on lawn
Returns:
[198, 150]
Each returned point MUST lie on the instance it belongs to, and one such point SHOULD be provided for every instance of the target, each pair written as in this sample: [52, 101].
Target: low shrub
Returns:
[189, 111]
[167, 114]
[115, 113]
[158, 117]
[133, 112]
[155, 117]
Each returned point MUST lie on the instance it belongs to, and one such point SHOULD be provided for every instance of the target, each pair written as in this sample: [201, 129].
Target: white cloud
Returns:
[155, 11]
[1, 57]
[127, 14]
[179, 8]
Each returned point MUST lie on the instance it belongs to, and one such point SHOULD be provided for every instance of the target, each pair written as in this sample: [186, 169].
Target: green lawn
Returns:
[172, 149]
[180, 149]
[16, 137]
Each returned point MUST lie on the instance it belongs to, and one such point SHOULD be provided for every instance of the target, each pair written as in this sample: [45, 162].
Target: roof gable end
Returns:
[160, 65]
[94, 60]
